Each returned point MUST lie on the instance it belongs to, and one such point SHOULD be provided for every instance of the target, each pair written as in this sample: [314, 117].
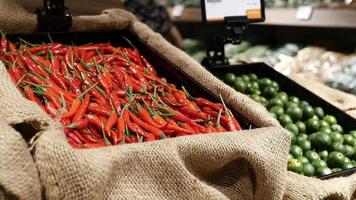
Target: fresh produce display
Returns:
[319, 145]
[106, 95]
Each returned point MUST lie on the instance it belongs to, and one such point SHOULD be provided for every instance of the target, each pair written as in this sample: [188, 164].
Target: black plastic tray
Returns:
[120, 39]
[292, 88]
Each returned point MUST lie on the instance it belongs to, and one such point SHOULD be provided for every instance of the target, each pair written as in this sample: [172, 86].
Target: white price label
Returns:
[304, 12]
[217, 10]
[177, 10]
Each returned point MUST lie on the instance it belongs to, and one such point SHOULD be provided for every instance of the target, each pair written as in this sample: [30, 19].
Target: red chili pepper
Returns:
[50, 108]
[94, 131]
[176, 128]
[120, 128]
[132, 126]
[87, 136]
[74, 137]
[3, 43]
[96, 109]
[188, 127]
[110, 123]
[30, 95]
[203, 102]
[157, 132]
[149, 66]
[94, 120]
[82, 108]
[12, 47]
[149, 137]
[193, 113]
[79, 136]
[104, 84]
[33, 67]
[82, 124]
[145, 115]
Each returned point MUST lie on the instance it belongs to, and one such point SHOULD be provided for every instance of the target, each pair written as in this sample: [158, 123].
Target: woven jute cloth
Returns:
[250, 164]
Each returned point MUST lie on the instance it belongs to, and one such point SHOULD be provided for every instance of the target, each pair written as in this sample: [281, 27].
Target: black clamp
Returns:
[53, 16]
[216, 52]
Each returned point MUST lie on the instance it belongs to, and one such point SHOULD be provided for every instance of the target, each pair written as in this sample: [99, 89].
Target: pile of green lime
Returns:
[319, 145]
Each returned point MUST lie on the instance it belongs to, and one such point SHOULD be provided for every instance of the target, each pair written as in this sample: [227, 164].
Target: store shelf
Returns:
[321, 18]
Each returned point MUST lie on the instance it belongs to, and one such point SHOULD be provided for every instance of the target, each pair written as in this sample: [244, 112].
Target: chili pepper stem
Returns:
[86, 91]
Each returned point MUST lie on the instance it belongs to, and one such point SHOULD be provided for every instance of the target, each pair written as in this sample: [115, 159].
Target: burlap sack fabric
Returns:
[244, 165]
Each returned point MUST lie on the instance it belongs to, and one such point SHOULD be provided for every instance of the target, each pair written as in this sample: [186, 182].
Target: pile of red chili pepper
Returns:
[106, 95]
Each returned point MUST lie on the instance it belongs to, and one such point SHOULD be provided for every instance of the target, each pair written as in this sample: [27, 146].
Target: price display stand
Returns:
[235, 15]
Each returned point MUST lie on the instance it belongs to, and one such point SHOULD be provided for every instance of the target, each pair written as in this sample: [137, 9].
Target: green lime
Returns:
[293, 99]
[315, 117]
[296, 151]
[308, 112]
[348, 139]
[319, 112]
[323, 154]
[249, 89]
[349, 150]
[285, 119]
[336, 170]
[254, 85]
[319, 163]
[264, 83]
[292, 128]
[303, 136]
[245, 77]
[295, 113]
[312, 136]
[283, 96]
[290, 156]
[325, 130]
[330, 119]
[295, 166]
[324, 124]
[264, 101]
[253, 76]
[303, 160]
[312, 125]
[303, 103]
[347, 165]
[353, 133]
[290, 104]
[337, 128]
[305, 145]
[275, 102]
[335, 159]
[322, 171]
[278, 110]
[321, 141]
[269, 92]
[308, 169]
[293, 137]
[347, 160]
[240, 86]
[256, 97]
[229, 78]
[337, 137]
[275, 85]
[273, 115]
[299, 139]
[257, 92]
[301, 126]
[338, 147]
[312, 155]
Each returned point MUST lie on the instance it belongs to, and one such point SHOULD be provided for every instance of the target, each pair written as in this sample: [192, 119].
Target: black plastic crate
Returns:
[292, 88]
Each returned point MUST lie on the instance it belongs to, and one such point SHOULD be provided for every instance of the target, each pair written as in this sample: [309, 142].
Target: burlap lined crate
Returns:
[245, 165]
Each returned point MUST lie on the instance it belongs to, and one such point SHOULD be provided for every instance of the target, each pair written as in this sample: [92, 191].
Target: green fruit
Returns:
[349, 151]
[290, 156]
[285, 119]
[336, 170]
[245, 78]
[324, 124]
[229, 78]
[312, 155]
[264, 101]
[254, 86]
[275, 85]
[295, 113]
[337, 128]
[296, 151]
[240, 86]
[315, 117]
[292, 128]
[290, 104]
[319, 112]
[256, 97]
[301, 126]
[308, 169]
[335, 159]
[319, 163]
[302, 136]
[303, 160]
[253, 77]
[249, 89]
[312, 125]
[353, 133]
[348, 139]
[275, 102]
[303, 103]
[293, 137]
[308, 112]
[338, 147]
[278, 110]
[326, 130]
[269, 92]
[273, 115]
[264, 83]
[312, 136]
[321, 141]
[336, 137]
[293, 99]
[322, 171]
[330, 119]
[295, 166]
[324, 154]
[282, 96]
[299, 139]
[257, 92]
[305, 145]
[347, 165]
